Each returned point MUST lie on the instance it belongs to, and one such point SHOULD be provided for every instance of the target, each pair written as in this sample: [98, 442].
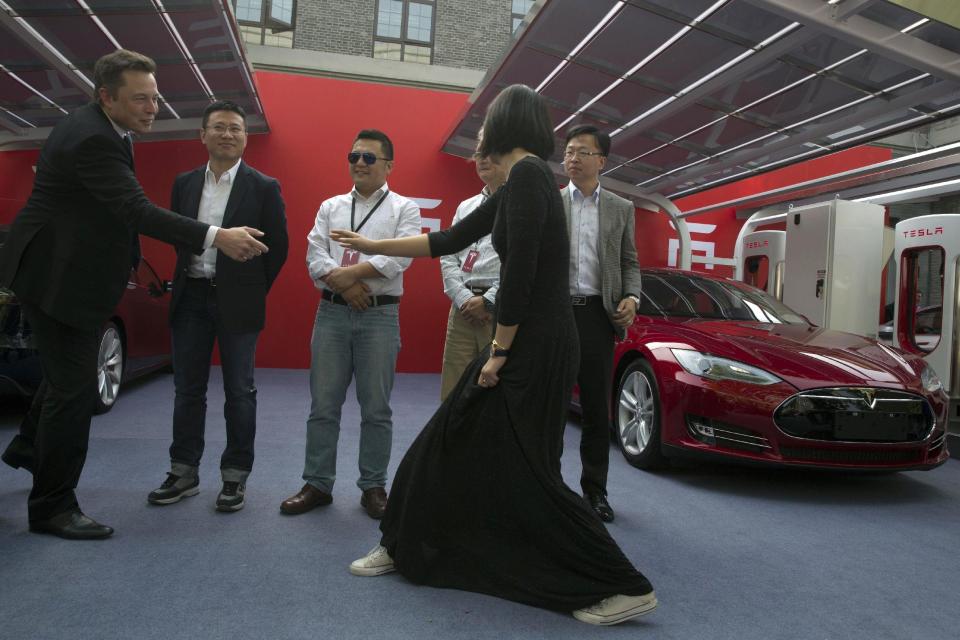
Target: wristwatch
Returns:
[497, 351]
[636, 300]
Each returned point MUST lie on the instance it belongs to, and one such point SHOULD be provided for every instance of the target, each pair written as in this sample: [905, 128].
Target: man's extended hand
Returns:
[340, 279]
[357, 295]
[626, 312]
[240, 243]
[475, 311]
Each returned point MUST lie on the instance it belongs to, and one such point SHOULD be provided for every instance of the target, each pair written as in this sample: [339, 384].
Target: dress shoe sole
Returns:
[640, 609]
[71, 536]
[296, 511]
[187, 493]
[371, 571]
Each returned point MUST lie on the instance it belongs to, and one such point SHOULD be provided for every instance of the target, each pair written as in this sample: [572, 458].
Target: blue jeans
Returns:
[351, 344]
[194, 328]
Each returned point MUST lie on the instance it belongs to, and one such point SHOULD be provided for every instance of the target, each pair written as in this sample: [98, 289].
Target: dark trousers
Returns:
[596, 372]
[196, 324]
[56, 429]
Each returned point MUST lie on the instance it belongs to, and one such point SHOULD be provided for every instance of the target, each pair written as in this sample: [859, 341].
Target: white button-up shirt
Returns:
[213, 205]
[397, 217]
[486, 268]
[584, 242]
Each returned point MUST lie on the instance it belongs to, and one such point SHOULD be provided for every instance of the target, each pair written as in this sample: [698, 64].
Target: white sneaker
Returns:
[616, 609]
[375, 563]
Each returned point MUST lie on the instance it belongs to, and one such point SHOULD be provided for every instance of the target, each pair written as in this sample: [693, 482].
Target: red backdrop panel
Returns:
[312, 125]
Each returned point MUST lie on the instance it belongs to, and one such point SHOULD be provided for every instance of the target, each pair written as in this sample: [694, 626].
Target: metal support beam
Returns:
[848, 8]
[43, 51]
[870, 35]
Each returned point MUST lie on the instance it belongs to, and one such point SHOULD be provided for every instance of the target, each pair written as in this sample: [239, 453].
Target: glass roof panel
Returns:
[939, 34]
[566, 24]
[143, 32]
[890, 15]
[683, 62]
[575, 86]
[746, 22]
[625, 101]
[642, 29]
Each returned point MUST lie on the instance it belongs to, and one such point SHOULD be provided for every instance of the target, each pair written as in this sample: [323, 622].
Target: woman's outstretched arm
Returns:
[409, 247]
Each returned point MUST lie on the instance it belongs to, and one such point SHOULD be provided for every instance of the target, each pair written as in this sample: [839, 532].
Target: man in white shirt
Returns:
[356, 334]
[219, 299]
[470, 280]
[604, 292]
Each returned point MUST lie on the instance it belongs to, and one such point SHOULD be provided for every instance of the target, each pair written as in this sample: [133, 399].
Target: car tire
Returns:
[110, 362]
[636, 416]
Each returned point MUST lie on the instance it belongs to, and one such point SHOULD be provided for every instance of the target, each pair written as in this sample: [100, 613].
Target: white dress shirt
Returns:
[213, 204]
[486, 268]
[584, 242]
[397, 217]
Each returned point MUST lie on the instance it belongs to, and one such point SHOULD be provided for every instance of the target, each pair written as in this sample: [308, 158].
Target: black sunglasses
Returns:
[368, 158]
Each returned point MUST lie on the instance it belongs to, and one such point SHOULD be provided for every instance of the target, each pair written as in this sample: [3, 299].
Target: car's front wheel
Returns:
[637, 416]
[109, 368]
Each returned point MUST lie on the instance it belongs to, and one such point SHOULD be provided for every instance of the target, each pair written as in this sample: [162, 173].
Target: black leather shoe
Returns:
[72, 525]
[374, 502]
[598, 502]
[18, 457]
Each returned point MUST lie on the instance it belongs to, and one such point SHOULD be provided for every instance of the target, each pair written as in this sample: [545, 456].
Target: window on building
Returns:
[268, 22]
[520, 10]
[404, 30]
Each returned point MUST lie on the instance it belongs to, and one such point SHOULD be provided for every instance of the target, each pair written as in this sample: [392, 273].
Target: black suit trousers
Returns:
[596, 371]
[58, 425]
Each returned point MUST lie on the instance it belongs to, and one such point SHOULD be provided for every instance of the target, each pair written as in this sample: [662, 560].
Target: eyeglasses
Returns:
[368, 157]
[580, 153]
[233, 130]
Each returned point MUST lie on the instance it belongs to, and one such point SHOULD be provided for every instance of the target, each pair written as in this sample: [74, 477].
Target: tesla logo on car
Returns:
[869, 397]
[755, 244]
[920, 233]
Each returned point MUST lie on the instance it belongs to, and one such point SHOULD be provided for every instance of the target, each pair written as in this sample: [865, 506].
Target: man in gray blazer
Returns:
[604, 292]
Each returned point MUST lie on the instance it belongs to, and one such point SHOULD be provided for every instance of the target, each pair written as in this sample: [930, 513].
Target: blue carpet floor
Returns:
[734, 553]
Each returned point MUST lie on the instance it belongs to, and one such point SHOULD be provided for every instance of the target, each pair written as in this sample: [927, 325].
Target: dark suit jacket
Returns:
[69, 249]
[242, 287]
[619, 270]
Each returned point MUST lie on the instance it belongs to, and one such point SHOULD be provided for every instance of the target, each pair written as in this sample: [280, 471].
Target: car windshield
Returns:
[683, 295]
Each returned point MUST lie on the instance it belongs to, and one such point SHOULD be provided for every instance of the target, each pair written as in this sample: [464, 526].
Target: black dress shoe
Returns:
[72, 525]
[598, 502]
[17, 458]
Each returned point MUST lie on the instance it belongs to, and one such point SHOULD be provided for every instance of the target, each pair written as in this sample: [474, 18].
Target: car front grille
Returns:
[855, 414]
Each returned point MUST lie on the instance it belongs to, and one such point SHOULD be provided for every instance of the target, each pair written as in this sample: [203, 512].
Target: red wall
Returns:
[313, 122]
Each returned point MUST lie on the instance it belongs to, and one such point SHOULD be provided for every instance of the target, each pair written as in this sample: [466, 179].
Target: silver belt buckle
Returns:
[578, 301]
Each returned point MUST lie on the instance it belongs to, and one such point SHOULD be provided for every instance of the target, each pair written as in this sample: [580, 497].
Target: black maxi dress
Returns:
[478, 502]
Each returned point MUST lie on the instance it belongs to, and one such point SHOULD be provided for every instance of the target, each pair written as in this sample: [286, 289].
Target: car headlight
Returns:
[929, 379]
[714, 368]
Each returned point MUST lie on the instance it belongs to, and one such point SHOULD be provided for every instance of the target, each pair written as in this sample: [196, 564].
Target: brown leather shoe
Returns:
[374, 500]
[306, 499]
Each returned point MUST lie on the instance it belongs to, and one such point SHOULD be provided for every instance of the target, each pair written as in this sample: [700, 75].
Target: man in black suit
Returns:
[218, 299]
[68, 258]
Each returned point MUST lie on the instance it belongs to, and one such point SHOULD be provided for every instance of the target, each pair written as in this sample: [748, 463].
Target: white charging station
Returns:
[834, 257]
[932, 329]
[762, 255]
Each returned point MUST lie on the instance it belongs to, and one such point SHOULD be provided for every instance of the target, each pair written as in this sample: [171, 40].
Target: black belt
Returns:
[478, 291]
[211, 282]
[375, 301]
[582, 301]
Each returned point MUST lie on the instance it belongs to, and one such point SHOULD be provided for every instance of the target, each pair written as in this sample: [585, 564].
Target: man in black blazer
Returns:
[68, 258]
[217, 299]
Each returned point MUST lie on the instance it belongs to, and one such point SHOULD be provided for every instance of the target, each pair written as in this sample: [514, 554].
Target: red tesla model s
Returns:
[715, 367]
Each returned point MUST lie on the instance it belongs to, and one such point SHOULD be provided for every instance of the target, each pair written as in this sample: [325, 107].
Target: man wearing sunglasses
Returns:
[218, 299]
[356, 334]
[604, 290]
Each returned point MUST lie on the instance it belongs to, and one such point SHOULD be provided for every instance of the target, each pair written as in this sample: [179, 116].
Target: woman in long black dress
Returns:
[478, 502]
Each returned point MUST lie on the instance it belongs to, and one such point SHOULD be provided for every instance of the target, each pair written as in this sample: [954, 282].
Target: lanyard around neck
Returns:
[353, 210]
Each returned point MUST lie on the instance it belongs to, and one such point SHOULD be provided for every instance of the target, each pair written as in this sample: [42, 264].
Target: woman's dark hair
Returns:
[517, 118]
